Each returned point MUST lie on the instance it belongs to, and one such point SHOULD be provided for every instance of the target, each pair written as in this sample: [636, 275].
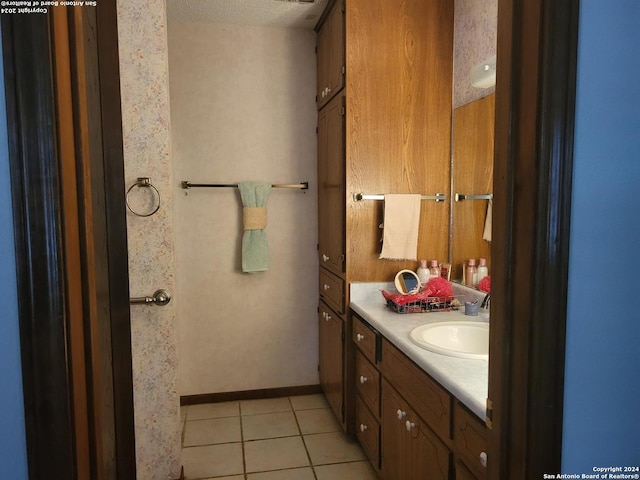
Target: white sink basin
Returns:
[456, 338]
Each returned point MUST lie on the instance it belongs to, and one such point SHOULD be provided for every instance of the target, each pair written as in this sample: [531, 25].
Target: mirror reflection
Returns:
[475, 38]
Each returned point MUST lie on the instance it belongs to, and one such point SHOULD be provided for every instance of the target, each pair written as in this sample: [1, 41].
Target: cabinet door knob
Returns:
[400, 414]
[483, 459]
[326, 287]
[328, 317]
[363, 379]
[363, 427]
[409, 425]
[325, 258]
[323, 94]
[359, 337]
[324, 315]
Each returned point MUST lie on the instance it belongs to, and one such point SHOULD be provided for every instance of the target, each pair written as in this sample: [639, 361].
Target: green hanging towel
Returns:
[255, 248]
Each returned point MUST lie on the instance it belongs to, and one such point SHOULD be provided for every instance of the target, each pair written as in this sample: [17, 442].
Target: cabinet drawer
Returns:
[365, 338]
[368, 383]
[429, 400]
[332, 290]
[470, 439]
[368, 432]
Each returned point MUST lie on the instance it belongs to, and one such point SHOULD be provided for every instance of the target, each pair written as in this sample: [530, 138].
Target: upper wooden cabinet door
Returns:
[331, 210]
[330, 60]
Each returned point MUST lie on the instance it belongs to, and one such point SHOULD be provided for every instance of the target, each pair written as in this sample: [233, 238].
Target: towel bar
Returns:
[461, 196]
[438, 197]
[185, 184]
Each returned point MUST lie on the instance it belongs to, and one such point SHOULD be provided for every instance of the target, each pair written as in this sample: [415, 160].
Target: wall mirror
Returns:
[475, 38]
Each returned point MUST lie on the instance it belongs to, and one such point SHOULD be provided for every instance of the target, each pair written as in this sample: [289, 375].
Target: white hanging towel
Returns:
[401, 224]
[486, 235]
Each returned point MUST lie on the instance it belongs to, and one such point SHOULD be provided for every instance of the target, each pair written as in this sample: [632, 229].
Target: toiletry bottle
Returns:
[445, 271]
[471, 274]
[483, 271]
[423, 272]
[434, 270]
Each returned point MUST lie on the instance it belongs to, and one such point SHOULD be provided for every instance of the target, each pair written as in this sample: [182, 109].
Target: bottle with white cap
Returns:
[423, 272]
[483, 270]
[434, 269]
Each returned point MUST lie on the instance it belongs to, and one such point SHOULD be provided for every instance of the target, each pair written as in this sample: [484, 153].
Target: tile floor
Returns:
[289, 438]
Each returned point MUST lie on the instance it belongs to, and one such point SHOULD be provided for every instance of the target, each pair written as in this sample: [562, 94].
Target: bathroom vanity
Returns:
[418, 414]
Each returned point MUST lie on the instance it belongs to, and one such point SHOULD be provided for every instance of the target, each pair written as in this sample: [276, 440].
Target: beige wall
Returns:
[145, 113]
[243, 109]
[475, 38]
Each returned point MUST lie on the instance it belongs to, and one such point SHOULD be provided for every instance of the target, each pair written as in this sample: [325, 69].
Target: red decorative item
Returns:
[438, 287]
[484, 285]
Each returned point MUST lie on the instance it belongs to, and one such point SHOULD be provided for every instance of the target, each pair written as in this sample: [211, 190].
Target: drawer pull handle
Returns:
[363, 427]
[409, 425]
[363, 379]
[326, 287]
[483, 459]
[359, 337]
[325, 258]
[400, 414]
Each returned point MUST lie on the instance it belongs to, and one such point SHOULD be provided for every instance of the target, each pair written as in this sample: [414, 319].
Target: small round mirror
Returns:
[407, 282]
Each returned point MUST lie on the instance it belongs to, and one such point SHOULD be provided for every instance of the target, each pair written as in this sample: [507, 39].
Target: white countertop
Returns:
[466, 379]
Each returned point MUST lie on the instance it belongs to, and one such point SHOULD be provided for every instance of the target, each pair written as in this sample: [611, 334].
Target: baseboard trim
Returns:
[249, 394]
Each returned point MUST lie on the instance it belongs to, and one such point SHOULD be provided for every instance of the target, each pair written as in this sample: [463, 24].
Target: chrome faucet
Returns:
[486, 302]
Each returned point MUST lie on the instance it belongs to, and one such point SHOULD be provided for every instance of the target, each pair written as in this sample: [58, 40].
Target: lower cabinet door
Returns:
[393, 434]
[330, 334]
[462, 473]
[428, 456]
[409, 449]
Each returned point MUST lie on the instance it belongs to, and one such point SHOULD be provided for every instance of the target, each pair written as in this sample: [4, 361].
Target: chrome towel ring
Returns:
[144, 182]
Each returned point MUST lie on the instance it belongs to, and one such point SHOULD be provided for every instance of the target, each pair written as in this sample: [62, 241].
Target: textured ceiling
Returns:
[272, 13]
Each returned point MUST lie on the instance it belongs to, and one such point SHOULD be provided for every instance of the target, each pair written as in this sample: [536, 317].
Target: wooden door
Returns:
[393, 434]
[427, 456]
[330, 59]
[331, 212]
[65, 151]
[331, 338]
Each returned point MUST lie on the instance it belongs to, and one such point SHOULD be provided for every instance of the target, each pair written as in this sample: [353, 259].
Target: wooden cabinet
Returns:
[470, 439]
[331, 209]
[330, 55]
[331, 348]
[368, 431]
[410, 450]
[408, 424]
[394, 98]
[384, 123]
[332, 290]
[367, 389]
[430, 400]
